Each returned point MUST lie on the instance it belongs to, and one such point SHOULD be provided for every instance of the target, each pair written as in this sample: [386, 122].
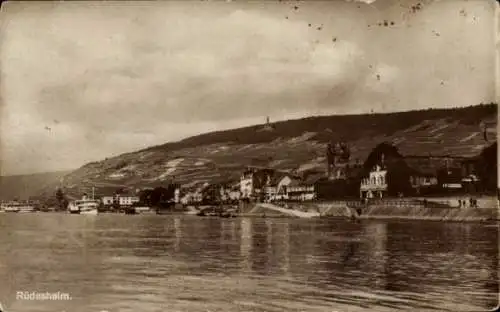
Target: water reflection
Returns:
[178, 233]
[443, 259]
[376, 254]
[246, 245]
[152, 263]
[284, 228]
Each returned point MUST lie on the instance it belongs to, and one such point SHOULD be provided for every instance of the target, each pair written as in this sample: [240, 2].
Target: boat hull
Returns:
[89, 212]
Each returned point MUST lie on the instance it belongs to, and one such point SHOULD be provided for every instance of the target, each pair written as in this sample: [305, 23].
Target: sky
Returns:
[81, 81]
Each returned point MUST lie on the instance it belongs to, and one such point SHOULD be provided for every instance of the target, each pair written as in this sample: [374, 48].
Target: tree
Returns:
[161, 196]
[487, 163]
[145, 197]
[62, 203]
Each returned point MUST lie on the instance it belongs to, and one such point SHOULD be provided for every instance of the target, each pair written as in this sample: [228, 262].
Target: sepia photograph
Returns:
[249, 156]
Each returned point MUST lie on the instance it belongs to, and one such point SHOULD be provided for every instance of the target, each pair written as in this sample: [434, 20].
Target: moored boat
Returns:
[84, 206]
[15, 206]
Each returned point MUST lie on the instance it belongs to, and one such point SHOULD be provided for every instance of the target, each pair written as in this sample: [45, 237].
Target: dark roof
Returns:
[313, 178]
[424, 166]
[430, 165]
[295, 181]
[277, 176]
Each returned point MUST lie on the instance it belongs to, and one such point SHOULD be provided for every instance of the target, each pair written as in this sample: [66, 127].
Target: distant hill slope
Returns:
[294, 144]
[23, 186]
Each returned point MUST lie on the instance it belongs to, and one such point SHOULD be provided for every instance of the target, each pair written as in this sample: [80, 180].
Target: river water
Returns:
[187, 263]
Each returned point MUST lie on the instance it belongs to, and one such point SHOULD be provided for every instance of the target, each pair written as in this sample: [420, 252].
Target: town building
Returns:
[120, 200]
[126, 200]
[304, 189]
[107, 200]
[193, 194]
[177, 195]
[417, 175]
[253, 182]
[385, 173]
[375, 185]
[337, 157]
[246, 184]
[424, 173]
[276, 188]
[191, 198]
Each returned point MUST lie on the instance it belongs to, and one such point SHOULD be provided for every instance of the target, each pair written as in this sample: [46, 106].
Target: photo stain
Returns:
[415, 8]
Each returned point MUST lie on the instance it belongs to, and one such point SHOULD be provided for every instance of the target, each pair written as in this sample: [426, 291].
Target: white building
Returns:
[107, 200]
[128, 200]
[375, 185]
[191, 197]
[177, 195]
[304, 189]
[246, 184]
[277, 188]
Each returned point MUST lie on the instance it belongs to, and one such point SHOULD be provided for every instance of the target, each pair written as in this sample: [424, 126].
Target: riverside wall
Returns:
[435, 209]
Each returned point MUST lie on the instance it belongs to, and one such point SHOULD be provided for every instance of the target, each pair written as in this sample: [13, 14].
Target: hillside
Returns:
[23, 186]
[294, 144]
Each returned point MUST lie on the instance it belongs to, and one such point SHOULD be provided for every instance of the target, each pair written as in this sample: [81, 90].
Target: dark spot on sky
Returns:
[295, 7]
[56, 121]
[309, 25]
[416, 7]
[386, 23]
[47, 128]
[334, 39]
[392, 23]
[378, 77]
[286, 17]
[370, 66]
[442, 83]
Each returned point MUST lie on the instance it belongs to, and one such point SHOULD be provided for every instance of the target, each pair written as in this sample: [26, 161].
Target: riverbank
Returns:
[432, 214]
[389, 210]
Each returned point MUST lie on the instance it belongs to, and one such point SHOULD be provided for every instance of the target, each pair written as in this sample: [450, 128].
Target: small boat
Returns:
[144, 210]
[229, 213]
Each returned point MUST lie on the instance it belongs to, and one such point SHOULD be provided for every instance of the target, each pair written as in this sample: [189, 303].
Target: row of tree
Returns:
[161, 197]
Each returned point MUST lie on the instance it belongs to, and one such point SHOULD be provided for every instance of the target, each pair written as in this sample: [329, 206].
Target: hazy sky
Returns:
[84, 81]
